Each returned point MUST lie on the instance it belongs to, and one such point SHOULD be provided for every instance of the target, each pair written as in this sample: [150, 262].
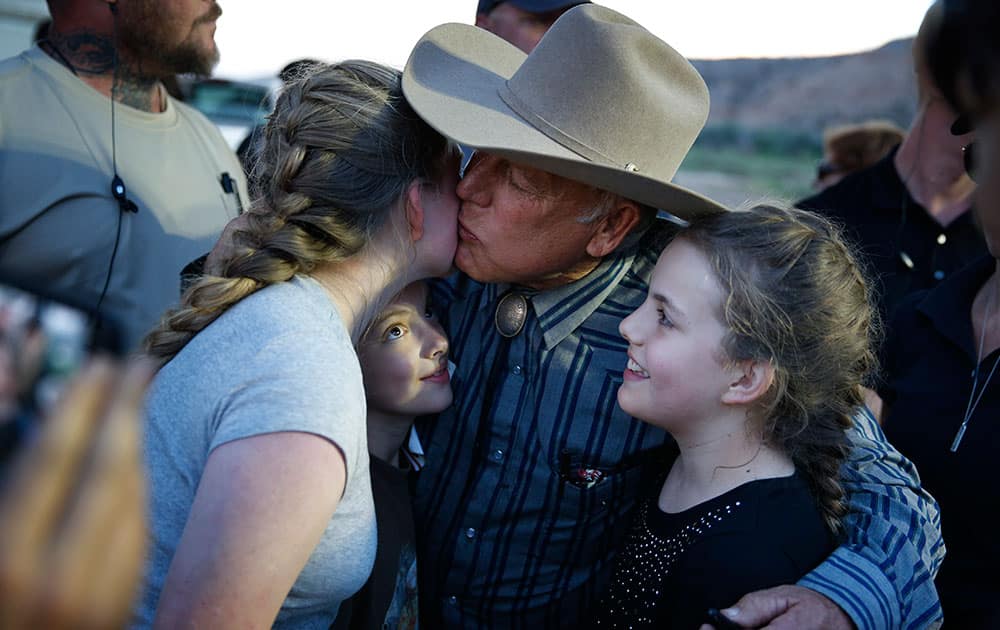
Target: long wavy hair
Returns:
[340, 150]
[794, 295]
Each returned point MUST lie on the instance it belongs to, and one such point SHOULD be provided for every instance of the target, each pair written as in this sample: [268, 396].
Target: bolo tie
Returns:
[509, 317]
[512, 310]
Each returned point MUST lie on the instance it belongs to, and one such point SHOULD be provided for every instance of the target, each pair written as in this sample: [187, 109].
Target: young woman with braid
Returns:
[750, 349]
[261, 506]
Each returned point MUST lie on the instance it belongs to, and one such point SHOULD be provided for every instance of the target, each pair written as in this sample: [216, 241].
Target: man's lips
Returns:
[465, 234]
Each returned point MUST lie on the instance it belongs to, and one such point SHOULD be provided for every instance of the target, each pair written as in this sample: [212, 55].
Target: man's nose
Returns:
[473, 185]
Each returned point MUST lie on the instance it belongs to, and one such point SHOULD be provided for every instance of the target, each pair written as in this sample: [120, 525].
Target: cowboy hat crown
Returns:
[600, 100]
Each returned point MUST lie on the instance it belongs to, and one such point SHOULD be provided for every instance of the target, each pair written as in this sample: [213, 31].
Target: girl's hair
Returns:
[340, 150]
[794, 295]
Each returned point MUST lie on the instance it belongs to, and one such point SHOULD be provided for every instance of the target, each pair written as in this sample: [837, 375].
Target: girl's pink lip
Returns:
[438, 377]
[632, 375]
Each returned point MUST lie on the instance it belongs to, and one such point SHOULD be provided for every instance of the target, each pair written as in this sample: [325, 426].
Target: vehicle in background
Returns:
[235, 107]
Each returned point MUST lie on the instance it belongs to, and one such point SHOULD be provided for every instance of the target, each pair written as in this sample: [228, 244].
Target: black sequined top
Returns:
[674, 567]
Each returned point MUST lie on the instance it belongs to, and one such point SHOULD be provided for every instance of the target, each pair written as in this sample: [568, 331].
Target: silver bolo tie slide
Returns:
[511, 312]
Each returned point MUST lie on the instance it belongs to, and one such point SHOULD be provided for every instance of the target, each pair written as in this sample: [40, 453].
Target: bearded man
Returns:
[108, 186]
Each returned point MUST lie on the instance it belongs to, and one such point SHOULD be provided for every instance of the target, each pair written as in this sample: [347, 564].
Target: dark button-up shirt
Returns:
[519, 510]
[890, 228]
[929, 377]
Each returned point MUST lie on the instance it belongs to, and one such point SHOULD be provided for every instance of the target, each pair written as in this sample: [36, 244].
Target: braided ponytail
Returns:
[339, 151]
[796, 296]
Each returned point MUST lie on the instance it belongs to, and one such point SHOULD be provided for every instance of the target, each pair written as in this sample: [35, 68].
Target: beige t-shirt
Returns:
[58, 219]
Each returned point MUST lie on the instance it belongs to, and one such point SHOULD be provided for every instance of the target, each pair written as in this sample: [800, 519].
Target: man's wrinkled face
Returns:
[521, 225]
[164, 37]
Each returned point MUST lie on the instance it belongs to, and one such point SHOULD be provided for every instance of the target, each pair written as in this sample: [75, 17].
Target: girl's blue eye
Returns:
[394, 332]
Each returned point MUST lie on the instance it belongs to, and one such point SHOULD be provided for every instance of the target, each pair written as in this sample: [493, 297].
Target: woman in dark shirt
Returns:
[942, 386]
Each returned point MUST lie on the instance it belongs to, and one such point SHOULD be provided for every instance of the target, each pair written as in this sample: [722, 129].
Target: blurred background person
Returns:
[909, 213]
[942, 389]
[108, 185]
[849, 148]
[521, 22]
[72, 519]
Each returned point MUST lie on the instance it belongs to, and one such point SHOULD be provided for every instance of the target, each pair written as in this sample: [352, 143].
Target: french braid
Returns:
[796, 296]
[340, 149]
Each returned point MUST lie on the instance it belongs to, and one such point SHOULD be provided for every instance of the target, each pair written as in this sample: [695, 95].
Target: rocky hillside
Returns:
[808, 94]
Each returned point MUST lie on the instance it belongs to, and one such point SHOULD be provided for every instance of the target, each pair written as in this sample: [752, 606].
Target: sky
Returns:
[257, 37]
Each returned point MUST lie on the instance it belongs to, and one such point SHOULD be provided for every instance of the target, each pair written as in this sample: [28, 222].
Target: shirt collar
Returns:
[562, 310]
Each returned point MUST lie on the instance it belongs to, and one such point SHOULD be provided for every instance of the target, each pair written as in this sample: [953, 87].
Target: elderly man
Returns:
[108, 186]
[532, 475]
[521, 22]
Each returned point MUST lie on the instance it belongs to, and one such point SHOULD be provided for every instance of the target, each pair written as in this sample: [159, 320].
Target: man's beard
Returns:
[143, 36]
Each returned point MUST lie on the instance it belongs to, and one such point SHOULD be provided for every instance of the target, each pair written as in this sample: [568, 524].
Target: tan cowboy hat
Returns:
[600, 100]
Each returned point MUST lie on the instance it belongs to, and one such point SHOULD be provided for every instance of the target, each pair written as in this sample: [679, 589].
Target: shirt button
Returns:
[470, 533]
[496, 456]
[938, 275]
[453, 600]
[942, 239]
[516, 369]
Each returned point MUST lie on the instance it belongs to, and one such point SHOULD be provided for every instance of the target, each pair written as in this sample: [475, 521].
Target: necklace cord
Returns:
[974, 399]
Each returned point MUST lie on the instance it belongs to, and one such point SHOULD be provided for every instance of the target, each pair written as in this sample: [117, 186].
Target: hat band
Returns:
[552, 132]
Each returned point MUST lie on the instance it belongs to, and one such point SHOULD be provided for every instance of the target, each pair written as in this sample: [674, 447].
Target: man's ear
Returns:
[414, 210]
[751, 380]
[614, 227]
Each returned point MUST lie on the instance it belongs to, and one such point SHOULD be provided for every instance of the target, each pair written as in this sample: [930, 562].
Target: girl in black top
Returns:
[750, 350]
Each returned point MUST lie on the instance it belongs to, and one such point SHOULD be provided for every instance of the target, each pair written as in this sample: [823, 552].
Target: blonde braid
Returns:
[326, 182]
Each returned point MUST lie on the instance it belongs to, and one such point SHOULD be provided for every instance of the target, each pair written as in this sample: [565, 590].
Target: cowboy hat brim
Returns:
[453, 80]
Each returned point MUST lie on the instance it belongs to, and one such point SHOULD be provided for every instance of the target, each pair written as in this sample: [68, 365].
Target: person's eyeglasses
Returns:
[969, 159]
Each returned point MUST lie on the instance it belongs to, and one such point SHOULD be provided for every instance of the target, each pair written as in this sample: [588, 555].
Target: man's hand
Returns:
[72, 513]
[787, 607]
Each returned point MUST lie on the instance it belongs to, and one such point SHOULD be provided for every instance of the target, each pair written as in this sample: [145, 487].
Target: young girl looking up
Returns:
[261, 505]
[404, 359]
[750, 349]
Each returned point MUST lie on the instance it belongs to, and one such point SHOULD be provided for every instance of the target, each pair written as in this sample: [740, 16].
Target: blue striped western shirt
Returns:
[519, 510]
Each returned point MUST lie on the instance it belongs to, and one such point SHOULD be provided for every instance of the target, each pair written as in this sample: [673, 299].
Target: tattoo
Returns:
[134, 89]
[92, 54]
